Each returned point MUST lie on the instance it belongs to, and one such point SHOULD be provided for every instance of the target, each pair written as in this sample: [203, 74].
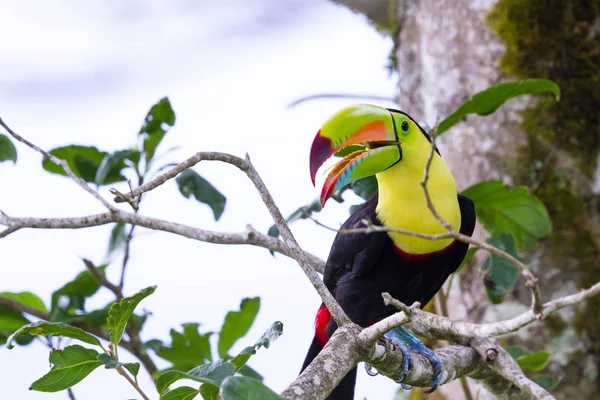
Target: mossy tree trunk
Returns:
[445, 51]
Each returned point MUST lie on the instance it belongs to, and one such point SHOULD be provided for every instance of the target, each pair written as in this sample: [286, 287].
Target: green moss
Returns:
[557, 40]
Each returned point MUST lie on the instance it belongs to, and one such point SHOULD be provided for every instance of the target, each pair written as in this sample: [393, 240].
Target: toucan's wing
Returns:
[358, 252]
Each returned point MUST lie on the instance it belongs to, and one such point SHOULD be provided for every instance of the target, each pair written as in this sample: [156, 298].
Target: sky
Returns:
[87, 73]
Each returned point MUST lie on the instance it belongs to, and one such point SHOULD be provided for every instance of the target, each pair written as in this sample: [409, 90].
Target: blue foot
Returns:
[408, 342]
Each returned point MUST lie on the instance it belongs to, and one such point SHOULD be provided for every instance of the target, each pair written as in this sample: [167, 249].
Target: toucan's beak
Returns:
[362, 124]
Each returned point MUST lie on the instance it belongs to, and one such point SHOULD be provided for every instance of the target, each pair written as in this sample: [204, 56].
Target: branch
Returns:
[63, 164]
[370, 97]
[477, 357]
[250, 237]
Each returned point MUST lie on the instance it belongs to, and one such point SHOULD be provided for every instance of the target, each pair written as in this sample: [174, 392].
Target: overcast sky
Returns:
[87, 73]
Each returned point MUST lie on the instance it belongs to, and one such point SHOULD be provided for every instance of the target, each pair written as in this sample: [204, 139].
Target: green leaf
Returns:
[501, 274]
[180, 393]
[244, 388]
[77, 291]
[516, 351]
[192, 184]
[120, 312]
[26, 298]
[237, 324]
[70, 366]
[534, 361]
[188, 348]
[365, 187]
[488, 100]
[10, 321]
[274, 331]
[53, 329]
[85, 162]
[118, 237]
[112, 164]
[212, 373]
[548, 382]
[111, 363]
[303, 212]
[501, 209]
[8, 152]
[470, 253]
[209, 392]
[156, 124]
[250, 372]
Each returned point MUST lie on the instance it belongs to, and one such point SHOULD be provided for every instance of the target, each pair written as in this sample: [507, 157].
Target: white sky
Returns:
[87, 72]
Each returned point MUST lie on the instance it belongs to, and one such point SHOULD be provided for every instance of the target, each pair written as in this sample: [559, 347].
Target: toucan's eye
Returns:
[404, 126]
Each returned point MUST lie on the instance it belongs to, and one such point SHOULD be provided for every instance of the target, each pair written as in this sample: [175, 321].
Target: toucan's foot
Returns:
[408, 342]
[406, 359]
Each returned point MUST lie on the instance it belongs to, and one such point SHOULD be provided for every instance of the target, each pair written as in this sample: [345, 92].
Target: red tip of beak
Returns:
[320, 151]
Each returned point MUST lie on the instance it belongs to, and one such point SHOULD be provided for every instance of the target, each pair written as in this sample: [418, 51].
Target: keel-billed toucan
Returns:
[363, 265]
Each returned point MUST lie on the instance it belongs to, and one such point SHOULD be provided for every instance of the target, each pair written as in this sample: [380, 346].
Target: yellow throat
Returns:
[402, 203]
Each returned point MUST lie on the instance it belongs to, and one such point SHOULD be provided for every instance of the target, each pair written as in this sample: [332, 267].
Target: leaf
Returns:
[303, 212]
[516, 351]
[501, 274]
[118, 237]
[180, 393]
[209, 392]
[84, 161]
[192, 184]
[250, 372]
[70, 366]
[188, 348]
[237, 324]
[470, 253]
[274, 331]
[27, 298]
[212, 373]
[156, 124]
[488, 100]
[120, 312]
[76, 292]
[244, 388]
[53, 329]
[111, 363]
[8, 152]
[534, 361]
[10, 321]
[548, 382]
[113, 163]
[501, 209]
[365, 187]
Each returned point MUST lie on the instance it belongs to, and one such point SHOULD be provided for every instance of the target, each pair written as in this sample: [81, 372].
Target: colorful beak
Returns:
[361, 124]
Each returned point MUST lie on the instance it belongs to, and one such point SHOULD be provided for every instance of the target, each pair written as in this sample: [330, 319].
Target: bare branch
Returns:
[102, 280]
[250, 237]
[83, 184]
[318, 96]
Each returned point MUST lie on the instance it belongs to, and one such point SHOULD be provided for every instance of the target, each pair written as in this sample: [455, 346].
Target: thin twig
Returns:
[102, 280]
[133, 383]
[341, 96]
[71, 394]
[83, 184]
[126, 256]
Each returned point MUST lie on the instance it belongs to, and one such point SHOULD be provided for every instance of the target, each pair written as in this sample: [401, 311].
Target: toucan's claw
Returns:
[370, 370]
[406, 359]
[408, 342]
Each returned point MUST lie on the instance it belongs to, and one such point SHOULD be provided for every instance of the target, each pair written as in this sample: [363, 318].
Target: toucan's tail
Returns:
[345, 389]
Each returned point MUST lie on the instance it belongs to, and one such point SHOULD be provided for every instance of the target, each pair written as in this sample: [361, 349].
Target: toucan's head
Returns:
[381, 132]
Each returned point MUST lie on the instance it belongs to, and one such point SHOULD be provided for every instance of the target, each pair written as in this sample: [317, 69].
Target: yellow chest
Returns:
[402, 204]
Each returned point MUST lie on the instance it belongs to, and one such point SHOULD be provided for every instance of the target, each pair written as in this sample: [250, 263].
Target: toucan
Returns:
[361, 266]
